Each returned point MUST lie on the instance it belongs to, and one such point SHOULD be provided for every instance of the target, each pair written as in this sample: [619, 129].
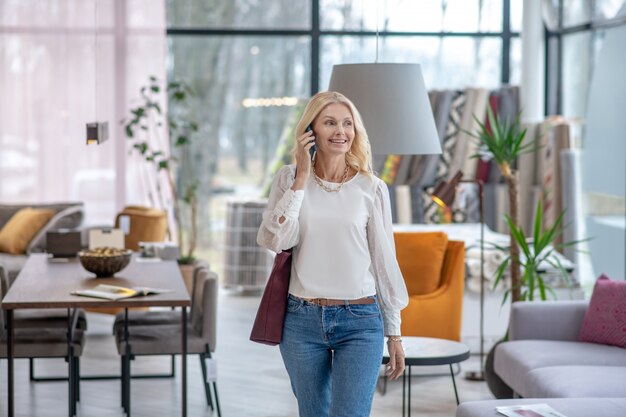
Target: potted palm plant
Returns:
[142, 127]
[505, 141]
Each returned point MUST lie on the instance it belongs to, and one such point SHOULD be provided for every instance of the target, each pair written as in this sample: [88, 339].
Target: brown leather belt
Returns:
[331, 302]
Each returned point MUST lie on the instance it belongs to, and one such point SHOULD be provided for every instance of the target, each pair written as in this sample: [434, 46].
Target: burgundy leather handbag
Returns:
[268, 325]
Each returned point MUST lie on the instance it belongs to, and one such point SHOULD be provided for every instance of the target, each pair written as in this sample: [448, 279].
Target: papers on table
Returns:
[114, 292]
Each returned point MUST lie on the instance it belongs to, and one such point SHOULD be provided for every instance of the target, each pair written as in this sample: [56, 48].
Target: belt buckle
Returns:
[322, 302]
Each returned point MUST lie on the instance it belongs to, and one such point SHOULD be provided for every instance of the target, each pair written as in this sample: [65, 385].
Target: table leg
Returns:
[403, 393]
[10, 353]
[71, 405]
[408, 413]
[184, 360]
[127, 355]
[70, 370]
[456, 395]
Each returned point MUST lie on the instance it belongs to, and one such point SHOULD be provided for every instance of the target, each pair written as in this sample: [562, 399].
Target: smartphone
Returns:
[314, 147]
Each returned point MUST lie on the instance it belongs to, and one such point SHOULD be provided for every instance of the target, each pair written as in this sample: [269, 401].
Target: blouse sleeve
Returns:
[283, 201]
[389, 281]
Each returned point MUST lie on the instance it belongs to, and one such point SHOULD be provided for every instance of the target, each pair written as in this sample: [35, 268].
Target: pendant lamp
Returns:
[98, 131]
[393, 102]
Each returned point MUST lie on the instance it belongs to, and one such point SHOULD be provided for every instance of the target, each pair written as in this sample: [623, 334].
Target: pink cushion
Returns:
[605, 319]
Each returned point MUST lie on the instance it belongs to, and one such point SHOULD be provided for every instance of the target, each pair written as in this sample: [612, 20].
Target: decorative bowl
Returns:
[104, 262]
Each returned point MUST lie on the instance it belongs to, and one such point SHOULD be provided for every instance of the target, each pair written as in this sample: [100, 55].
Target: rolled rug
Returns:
[473, 284]
[496, 257]
[490, 271]
[473, 253]
[472, 267]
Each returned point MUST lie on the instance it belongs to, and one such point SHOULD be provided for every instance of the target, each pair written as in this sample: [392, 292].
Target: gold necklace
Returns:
[326, 188]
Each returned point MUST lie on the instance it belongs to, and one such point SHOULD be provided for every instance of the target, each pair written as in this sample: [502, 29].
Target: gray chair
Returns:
[165, 339]
[52, 318]
[37, 318]
[152, 317]
[45, 338]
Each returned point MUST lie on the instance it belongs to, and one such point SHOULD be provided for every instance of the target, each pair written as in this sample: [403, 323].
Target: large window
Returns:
[447, 62]
[245, 89]
[245, 57]
[239, 14]
[412, 15]
[586, 53]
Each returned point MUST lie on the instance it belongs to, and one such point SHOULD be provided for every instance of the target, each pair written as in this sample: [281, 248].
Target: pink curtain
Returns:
[64, 63]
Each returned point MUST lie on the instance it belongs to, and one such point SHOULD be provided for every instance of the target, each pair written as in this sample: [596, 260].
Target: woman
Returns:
[335, 215]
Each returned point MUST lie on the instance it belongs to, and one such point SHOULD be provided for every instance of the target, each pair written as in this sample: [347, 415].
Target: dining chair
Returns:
[152, 317]
[166, 338]
[49, 318]
[49, 339]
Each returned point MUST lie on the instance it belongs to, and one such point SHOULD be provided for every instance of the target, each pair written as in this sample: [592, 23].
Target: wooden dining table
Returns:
[45, 282]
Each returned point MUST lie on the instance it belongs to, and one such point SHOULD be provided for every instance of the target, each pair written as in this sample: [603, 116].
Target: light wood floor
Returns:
[251, 379]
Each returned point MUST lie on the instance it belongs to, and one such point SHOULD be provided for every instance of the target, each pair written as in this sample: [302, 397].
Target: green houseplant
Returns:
[143, 127]
[536, 252]
[505, 142]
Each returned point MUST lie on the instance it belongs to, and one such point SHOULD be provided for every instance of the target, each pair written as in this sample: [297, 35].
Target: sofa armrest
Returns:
[547, 320]
[67, 216]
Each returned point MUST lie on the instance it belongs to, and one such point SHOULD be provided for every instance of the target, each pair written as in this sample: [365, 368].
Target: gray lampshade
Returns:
[393, 102]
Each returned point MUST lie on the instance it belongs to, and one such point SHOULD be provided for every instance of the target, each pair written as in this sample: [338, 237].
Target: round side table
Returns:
[423, 351]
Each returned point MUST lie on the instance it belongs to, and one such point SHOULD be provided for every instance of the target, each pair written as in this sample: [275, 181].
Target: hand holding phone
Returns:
[313, 148]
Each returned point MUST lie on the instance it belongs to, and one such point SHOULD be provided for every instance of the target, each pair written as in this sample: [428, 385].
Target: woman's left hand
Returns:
[395, 367]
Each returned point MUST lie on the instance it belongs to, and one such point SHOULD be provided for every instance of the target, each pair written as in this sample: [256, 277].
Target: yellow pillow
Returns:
[22, 228]
[420, 256]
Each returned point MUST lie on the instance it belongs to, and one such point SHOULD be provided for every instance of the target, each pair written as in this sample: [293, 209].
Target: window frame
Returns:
[316, 33]
[553, 93]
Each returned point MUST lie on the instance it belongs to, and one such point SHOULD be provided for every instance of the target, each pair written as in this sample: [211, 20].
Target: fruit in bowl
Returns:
[104, 261]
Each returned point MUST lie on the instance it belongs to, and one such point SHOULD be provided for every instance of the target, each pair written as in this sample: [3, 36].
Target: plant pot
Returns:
[496, 385]
[187, 271]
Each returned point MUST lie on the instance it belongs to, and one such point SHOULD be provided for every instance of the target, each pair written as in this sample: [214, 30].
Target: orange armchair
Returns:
[434, 269]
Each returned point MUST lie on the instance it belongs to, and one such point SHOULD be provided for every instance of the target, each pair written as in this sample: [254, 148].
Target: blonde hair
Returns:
[359, 156]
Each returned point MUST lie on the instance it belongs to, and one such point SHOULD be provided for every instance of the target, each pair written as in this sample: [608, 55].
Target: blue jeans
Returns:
[333, 356]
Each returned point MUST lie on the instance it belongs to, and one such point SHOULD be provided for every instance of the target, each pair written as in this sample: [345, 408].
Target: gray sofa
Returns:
[545, 359]
[67, 216]
[544, 362]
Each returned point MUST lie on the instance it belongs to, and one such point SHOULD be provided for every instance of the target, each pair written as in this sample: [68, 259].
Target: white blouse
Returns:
[342, 242]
